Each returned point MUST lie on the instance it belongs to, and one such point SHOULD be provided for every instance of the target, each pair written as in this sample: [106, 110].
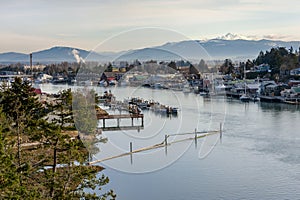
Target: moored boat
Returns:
[245, 98]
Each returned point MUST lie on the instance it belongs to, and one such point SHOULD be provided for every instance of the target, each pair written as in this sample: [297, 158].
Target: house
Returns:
[34, 67]
[294, 92]
[268, 88]
[42, 78]
[253, 88]
[295, 72]
[262, 68]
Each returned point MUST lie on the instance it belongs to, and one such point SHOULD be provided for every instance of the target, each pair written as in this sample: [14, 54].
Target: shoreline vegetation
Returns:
[41, 154]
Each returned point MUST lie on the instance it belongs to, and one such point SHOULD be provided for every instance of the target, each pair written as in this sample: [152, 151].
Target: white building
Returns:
[34, 67]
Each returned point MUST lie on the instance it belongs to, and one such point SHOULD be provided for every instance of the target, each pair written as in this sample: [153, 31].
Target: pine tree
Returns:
[63, 109]
[23, 170]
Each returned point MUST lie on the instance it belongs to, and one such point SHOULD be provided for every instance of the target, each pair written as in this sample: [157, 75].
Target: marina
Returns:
[257, 158]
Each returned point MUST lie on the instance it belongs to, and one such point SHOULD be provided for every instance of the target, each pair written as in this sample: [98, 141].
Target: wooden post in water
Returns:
[195, 138]
[103, 123]
[143, 121]
[166, 140]
[118, 122]
[166, 144]
[131, 121]
[130, 148]
[166, 150]
[221, 131]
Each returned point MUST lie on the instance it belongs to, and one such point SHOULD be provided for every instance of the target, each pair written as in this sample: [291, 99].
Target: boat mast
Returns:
[245, 78]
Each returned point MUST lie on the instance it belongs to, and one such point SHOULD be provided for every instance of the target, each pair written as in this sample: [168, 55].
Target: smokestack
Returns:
[30, 55]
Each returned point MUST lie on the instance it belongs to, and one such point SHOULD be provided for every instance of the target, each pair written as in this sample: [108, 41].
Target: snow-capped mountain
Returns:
[232, 36]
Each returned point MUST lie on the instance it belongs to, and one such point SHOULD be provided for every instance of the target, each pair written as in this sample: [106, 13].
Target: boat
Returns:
[186, 88]
[171, 110]
[255, 98]
[245, 98]
[220, 89]
[204, 93]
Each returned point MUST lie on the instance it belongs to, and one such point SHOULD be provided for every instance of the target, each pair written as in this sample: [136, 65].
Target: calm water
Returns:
[258, 157]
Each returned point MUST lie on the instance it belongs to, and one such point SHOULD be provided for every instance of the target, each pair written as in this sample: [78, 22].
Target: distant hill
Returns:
[58, 54]
[149, 54]
[229, 46]
[12, 57]
[214, 49]
[52, 55]
[239, 49]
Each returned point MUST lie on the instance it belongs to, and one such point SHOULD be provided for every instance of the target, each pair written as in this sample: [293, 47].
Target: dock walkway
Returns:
[165, 143]
[122, 116]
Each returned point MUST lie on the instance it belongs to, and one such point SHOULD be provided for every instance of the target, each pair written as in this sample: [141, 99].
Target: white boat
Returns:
[186, 88]
[245, 98]
[255, 99]
[220, 89]
[204, 93]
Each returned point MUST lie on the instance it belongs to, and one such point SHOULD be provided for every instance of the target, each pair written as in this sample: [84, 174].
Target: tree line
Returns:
[279, 59]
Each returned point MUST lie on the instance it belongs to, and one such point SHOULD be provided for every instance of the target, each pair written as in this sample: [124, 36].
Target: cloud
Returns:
[67, 35]
[98, 20]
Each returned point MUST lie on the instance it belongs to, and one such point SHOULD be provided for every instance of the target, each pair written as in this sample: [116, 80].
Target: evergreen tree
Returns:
[202, 66]
[11, 184]
[63, 109]
[41, 143]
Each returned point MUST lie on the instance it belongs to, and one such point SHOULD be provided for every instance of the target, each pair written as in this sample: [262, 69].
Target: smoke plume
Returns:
[77, 57]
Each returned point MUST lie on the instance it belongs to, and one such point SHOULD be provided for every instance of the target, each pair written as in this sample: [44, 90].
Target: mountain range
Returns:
[229, 46]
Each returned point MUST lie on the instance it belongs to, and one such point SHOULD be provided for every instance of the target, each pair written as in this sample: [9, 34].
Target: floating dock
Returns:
[165, 143]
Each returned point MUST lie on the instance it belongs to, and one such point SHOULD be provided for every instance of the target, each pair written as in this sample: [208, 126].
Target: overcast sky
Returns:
[39, 24]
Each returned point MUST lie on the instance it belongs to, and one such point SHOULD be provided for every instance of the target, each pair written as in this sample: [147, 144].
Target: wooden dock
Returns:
[123, 128]
[118, 117]
[233, 94]
[165, 143]
[270, 99]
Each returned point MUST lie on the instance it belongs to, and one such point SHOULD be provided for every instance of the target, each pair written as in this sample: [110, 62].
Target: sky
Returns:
[32, 25]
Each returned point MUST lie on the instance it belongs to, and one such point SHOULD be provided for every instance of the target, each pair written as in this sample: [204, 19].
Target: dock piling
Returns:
[195, 138]
[166, 140]
[130, 147]
[221, 134]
